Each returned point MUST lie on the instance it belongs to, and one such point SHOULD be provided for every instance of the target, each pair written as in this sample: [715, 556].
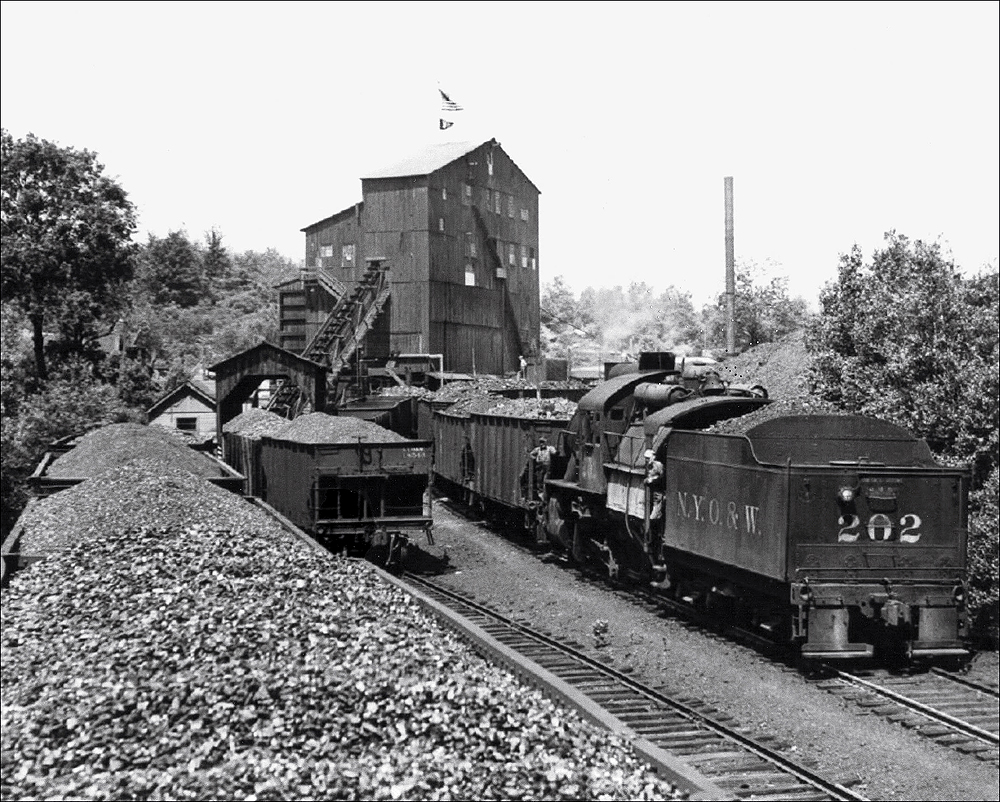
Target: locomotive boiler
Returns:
[839, 533]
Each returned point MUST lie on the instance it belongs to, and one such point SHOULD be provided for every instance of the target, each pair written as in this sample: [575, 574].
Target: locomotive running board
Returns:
[939, 652]
[847, 651]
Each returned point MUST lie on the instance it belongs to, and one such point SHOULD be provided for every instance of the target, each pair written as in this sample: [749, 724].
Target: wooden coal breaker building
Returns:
[455, 230]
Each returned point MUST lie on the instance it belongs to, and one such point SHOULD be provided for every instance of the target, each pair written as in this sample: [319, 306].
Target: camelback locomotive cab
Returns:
[837, 532]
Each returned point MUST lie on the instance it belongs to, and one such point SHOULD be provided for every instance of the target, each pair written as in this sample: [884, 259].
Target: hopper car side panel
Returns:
[451, 433]
[502, 445]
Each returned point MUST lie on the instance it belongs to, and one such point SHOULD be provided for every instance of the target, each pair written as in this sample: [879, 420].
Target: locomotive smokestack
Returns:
[730, 270]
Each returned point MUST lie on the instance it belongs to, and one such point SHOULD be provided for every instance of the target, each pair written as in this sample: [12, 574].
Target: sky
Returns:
[837, 121]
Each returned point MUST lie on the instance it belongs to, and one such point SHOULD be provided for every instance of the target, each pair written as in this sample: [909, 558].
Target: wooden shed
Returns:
[189, 408]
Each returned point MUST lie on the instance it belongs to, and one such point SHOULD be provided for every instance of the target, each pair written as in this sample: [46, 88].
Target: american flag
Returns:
[447, 104]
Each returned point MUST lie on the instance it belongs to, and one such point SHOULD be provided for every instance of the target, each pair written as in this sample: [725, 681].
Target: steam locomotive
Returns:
[838, 533]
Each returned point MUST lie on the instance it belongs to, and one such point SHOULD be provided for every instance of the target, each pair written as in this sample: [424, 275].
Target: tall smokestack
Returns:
[730, 270]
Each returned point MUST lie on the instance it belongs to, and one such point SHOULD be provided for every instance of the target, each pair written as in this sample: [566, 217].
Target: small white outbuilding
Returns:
[189, 408]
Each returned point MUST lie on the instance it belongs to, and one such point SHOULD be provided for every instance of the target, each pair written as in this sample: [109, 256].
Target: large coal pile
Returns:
[254, 423]
[539, 409]
[112, 446]
[782, 368]
[143, 491]
[318, 427]
[199, 652]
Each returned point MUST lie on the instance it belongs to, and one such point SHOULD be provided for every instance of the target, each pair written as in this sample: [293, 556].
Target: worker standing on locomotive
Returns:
[541, 457]
[654, 477]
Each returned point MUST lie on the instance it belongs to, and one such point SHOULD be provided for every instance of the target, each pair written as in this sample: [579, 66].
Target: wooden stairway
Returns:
[338, 338]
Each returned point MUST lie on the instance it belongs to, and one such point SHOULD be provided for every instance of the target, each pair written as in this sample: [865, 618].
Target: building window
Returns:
[531, 257]
[319, 261]
[187, 424]
[470, 276]
[512, 255]
[470, 245]
[524, 256]
[440, 224]
[326, 251]
[347, 256]
[524, 215]
[510, 206]
[444, 193]
[498, 202]
[467, 194]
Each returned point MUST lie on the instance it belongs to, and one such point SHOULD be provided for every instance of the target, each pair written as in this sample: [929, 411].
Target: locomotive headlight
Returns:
[846, 495]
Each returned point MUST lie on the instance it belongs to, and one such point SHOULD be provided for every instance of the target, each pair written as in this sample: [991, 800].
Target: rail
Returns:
[958, 730]
[731, 765]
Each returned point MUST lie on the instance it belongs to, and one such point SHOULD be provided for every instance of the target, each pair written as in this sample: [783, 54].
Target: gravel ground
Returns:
[184, 647]
[818, 728]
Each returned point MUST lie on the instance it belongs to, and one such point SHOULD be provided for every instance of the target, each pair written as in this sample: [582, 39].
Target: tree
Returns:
[764, 310]
[172, 271]
[66, 237]
[218, 266]
[906, 338]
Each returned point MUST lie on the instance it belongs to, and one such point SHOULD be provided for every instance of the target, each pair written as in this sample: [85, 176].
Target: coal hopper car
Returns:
[354, 485]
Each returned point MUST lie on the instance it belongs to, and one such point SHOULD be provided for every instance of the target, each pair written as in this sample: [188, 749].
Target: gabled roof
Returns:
[425, 161]
[264, 347]
[351, 210]
[189, 388]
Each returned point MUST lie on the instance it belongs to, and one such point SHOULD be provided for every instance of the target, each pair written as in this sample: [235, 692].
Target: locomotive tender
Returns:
[838, 533]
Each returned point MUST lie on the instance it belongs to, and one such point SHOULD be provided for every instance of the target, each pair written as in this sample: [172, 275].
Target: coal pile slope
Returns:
[318, 427]
[113, 445]
[200, 658]
[254, 423]
[147, 492]
[782, 368]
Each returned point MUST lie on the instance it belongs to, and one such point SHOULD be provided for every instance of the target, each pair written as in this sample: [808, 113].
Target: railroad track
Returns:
[731, 764]
[944, 707]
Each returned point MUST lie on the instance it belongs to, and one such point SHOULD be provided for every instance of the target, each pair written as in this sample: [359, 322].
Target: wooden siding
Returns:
[467, 348]
[400, 219]
[343, 229]
[474, 306]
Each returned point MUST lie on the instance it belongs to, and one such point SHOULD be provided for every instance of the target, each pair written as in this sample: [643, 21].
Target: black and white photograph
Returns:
[500, 400]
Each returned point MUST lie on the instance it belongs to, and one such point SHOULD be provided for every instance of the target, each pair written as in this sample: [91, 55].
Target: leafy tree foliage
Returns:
[71, 400]
[217, 264]
[984, 552]
[228, 305]
[172, 271]
[66, 240]
[617, 320]
[906, 338]
[764, 311]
